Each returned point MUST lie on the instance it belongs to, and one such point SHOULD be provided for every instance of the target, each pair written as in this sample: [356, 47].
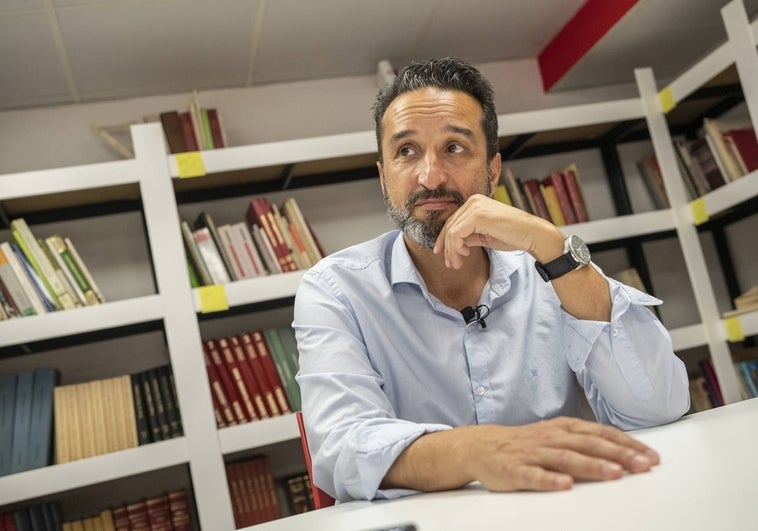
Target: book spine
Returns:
[217, 390]
[15, 287]
[41, 423]
[196, 258]
[248, 377]
[204, 219]
[72, 270]
[152, 414]
[211, 255]
[272, 374]
[23, 277]
[214, 123]
[235, 255]
[243, 238]
[227, 383]
[160, 407]
[259, 372]
[172, 130]
[45, 296]
[576, 196]
[21, 421]
[169, 401]
[7, 409]
[556, 179]
[143, 424]
[188, 132]
[540, 207]
[259, 211]
[83, 268]
[295, 216]
[265, 249]
[246, 399]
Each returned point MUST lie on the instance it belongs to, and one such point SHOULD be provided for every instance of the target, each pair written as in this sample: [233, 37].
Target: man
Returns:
[402, 392]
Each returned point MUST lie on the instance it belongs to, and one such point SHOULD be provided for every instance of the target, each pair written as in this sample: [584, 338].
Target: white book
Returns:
[301, 258]
[264, 247]
[242, 234]
[211, 255]
[83, 268]
[232, 253]
[295, 216]
[67, 277]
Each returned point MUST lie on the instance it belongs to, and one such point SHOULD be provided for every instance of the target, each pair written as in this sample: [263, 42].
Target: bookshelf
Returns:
[151, 182]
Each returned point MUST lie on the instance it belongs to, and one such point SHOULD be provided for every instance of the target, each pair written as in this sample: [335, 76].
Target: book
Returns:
[7, 410]
[160, 408]
[500, 193]
[693, 177]
[744, 142]
[227, 381]
[140, 412]
[7, 304]
[651, 176]
[514, 190]
[265, 251]
[283, 367]
[254, 388]
[188, 132]
[196, 258]
[731, 169]
[70, 288]
[540, 209]
[298, 252]
[173, 131]
[13, 284]
[23, 278]
[22, 417]
[68, 265]
[41, 422]
[196, 120]
[211, 256]
[556, 181]
[62, 424]
[575, 192]
[152, 413]
[292, 211]
[259, 212]
[272, 374]
[214, 123]
[180, 511]
[221, 401]
[245, 393]
[250, 256]
[83, 268]
[42, 292]
[266, 387]
[205, 220]
[553, 204]
[170, 401]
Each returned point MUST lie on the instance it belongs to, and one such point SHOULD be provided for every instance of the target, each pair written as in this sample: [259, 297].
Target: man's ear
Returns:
[381, 173]
[495, 167]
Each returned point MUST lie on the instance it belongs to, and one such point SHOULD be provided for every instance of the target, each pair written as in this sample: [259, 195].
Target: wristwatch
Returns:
[575, 255]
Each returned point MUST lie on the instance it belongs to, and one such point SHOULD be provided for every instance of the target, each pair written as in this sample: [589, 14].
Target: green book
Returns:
[283, 367]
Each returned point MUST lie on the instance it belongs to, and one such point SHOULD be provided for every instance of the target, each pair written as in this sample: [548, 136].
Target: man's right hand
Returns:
[547, 455]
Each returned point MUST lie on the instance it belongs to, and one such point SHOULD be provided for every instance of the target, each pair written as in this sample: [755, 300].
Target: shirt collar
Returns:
[503, 264]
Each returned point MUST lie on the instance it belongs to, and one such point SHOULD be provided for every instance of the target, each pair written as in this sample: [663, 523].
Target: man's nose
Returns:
[432, 173]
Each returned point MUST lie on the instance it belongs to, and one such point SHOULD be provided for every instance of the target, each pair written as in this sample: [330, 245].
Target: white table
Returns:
[707, 480]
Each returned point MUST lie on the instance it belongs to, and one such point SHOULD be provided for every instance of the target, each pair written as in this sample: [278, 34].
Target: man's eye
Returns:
[454, 148]
[406, 151]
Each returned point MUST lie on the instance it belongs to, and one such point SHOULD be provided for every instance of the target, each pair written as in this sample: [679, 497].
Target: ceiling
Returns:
[68, 51]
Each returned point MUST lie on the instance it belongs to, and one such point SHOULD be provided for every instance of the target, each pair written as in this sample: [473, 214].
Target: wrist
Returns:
[548, 244]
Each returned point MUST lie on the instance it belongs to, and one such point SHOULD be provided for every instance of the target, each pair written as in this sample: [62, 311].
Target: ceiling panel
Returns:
[31, 69]
[331, 38]
[126, 48]
[482, 31]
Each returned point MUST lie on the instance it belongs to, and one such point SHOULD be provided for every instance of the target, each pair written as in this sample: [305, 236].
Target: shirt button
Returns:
[615, 332]
[480, 390]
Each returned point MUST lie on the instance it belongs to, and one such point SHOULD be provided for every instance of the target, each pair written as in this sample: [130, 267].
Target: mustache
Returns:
[438, 193]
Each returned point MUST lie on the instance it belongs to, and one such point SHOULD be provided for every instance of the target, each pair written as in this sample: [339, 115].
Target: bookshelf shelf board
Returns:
[688, 337]
[259, 433]
[622, 227]
[72, 179]
[80, 320]
[725, 197]
[67, 476]
[260, 289]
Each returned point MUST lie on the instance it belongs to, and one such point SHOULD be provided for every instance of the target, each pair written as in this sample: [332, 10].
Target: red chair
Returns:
[320, 498]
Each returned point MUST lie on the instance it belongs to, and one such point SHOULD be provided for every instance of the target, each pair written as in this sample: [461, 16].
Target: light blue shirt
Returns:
[383, 361]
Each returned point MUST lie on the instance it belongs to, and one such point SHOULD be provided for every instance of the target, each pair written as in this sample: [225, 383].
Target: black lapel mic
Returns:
[476, 314]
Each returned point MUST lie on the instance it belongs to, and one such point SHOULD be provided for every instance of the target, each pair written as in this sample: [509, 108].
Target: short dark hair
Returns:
[447, 73]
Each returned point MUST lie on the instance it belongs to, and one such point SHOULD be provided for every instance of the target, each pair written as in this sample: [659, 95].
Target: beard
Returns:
[425, 231]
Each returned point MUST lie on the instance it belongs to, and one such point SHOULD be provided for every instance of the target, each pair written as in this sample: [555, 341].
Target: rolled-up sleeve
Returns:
[630, 375]
[353, 433]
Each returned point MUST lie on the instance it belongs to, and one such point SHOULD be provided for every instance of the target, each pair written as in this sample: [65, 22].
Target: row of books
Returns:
[26, 419]
[42, 275]
[253, 491]
[44, 516]
[705, 392]
[558, 197]
[726, 151]
[252, 375]
[272, 239]
[107, 415]
[198, 128]
[299, 493]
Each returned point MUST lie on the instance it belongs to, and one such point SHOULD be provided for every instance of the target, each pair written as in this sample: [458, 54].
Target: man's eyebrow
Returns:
[400, 135]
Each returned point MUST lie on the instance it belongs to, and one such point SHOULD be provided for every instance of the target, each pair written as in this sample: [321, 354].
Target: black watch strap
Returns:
[557, 268]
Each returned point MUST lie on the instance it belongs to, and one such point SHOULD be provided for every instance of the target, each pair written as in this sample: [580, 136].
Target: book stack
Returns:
[726, 151]
[26, 419]
[252, 375]
[196, 129]
[557, 198]
[251, 484]
[103, 416]
[42, 275]
[299, 493]
[271, 239]
[41, 516]
[165, 512]
[745, 303]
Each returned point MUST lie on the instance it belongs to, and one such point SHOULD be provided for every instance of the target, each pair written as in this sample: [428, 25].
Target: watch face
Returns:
[579, 250]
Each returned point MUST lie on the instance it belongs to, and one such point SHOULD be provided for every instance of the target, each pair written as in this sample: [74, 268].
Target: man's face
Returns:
[434, 158]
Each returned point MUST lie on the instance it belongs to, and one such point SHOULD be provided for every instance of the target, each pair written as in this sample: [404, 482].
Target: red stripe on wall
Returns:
[593, 20]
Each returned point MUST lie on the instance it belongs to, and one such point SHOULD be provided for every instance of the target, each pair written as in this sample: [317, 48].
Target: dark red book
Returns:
[188, 132]
[533, 189]
[746, 144]
[227, 381]
[259, 373]
[245, 396]
[217, 384]
[261, 348]
[172, 129]
[178, 503]
[259, 212]
[214, 121]
[576, 197]
[251, 382]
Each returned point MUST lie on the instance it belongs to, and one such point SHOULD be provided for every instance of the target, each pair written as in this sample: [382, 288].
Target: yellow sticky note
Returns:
[734, 329]
[190, 164]
[212, 299]
[699, 211]
[666, 97]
